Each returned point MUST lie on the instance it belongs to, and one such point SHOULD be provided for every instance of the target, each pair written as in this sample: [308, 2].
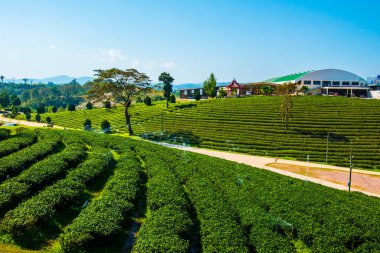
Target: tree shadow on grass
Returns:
[178, 137]
[183, 106]
[333, 137]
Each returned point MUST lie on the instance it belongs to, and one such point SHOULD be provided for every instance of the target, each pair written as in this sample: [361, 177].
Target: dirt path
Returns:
[336, 178]
[360, 181]
[25, 123]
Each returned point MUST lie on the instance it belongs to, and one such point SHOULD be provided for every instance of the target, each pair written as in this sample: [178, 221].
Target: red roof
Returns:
[234, 84]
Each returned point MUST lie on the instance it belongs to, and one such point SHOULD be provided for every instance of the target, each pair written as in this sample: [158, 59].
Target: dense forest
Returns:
[25, 97]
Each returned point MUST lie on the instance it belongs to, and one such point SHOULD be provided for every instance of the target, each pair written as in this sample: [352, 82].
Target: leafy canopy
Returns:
[120, 86]
[209, 86]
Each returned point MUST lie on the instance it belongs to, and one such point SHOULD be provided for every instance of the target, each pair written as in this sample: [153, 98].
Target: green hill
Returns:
[254, 125]
[75, 191]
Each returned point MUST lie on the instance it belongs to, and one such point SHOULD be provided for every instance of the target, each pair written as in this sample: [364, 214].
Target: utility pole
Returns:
[350, 178]
[327, 146]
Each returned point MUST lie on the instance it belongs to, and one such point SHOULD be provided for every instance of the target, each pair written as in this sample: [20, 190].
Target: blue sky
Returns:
[250, 40]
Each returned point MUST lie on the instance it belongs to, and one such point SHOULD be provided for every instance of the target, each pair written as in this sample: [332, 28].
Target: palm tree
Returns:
[2, 79]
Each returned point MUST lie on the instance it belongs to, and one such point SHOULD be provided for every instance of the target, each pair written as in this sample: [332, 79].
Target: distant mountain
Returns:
[62, 79]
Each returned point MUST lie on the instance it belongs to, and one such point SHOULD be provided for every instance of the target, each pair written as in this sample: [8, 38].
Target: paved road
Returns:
[261, 162]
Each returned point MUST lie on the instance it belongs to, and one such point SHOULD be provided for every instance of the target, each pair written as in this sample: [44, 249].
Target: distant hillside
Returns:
[254, 125]
[194, 85]
[62, 79]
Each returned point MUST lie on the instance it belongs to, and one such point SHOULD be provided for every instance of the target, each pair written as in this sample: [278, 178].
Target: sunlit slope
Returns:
[76, 191]
[254, 125]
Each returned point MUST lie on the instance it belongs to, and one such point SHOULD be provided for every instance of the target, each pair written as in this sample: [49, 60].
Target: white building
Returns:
[329, 81]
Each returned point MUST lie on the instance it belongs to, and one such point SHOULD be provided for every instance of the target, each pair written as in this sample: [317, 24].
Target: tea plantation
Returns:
[77, 191]
[254, 125]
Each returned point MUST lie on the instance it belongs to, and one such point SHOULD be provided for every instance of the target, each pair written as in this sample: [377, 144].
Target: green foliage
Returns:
[89, 106]
[41, 109]
[48, 119]
[222, 93]
[139, 100]
[43, 205]
[197, 95]
[172, 99]
[4, 133]
[87, 124]
[28, 116]
[106, 213]
[107, 104]
[191, 198]
[209, 86]
[70, 107]
[267, 90]
[19, 160]
[40, 174]
[304, 89]
[286, 107]
[121, 86]
[105, 126]
[167, 86]
[168, 207]
[211, 122]
[4, 99]
[19, 141]
[16, 101]
[54, 109]
[148, 101]
[38, 117]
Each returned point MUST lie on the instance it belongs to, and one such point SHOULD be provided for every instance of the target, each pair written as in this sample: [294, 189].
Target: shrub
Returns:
[89, 106]
[139, 100]
[54, 109]
[87, 124]
[172, 98]
[41, 109]
[71, 107]
[38, 117]
[147, 101]
[107, 104]
[28, 116]
[105, 126]
[48, 119]
[197, 95]
[158, 98]
[222, 93]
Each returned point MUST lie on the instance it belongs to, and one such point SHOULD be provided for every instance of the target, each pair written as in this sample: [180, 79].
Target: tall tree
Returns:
[209, 86]
[286, 107]
[120, 86]
[2, 79]
[167, 86]
[266, 90]
[25, 80]
[4, 99]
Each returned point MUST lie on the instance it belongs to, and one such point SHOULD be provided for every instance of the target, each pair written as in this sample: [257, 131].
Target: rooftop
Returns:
[287, 78]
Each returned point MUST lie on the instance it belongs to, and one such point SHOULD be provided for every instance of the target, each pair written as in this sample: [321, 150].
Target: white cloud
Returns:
[149, 65]
[168, 65]
[111, 55]
[52, 46]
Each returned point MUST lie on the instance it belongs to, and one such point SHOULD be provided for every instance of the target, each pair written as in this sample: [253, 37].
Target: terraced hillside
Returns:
[74, 191]
[254, 125]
